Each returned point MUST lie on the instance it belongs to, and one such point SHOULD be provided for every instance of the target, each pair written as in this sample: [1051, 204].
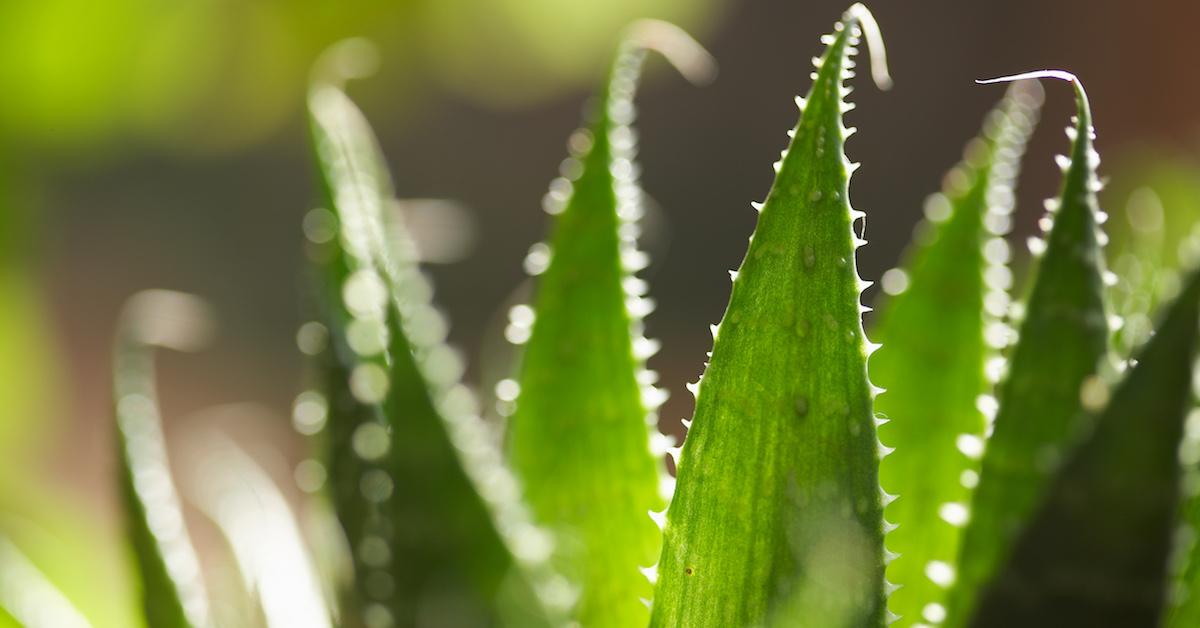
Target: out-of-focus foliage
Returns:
[1063, 336]
[211, 75]
[954, 277]
[36, 517]
[25, 353]
[1155, 198]
[581, 433]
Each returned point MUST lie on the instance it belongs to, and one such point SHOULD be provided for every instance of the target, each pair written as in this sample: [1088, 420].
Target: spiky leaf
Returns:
[954, 280]
[1095, 554]
[777, 516]
[168, 571]
[580, 436]
[1062, 340]
[427, 506]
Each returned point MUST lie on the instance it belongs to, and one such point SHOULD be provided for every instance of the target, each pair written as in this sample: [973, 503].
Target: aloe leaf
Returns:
[1183, 599]
[1096, 551]
[580, 437]
[955, 280]
[243, 501]
[27, 597]
[1062, 340]
[172, 589]
[433, 517]
[778, 516]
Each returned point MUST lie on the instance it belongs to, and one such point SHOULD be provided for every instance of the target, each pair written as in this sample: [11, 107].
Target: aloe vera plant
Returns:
[428, 507]
[581, 434]
[1037, 476]
[1061, 342]
[779, 471]
[939, 386]
[172, 589]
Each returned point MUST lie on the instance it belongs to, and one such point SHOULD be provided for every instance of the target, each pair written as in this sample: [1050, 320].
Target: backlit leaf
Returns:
[1063, 338]
[778, 516]
[581, 434]
[1095, 554]
[954, 280]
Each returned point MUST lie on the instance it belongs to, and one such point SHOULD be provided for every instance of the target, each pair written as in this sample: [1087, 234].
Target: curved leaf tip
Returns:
[1061, 75]
[173, 589]
[679, 48]
[860, 14]
[172, 320]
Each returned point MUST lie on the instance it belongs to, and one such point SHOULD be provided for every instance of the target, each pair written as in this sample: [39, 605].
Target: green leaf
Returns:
[58, 534]
[1095, 554]
[778, 515]
[580, 437]
[172, 588]
[954, 280]
[27, 597]
[434, 519]
[1183, 600]
[1063, 338]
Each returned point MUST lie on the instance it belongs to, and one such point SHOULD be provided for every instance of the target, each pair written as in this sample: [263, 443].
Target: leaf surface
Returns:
[1062, 340]
[172, 588]
[1095, 554]
[954, 280]
[777, 518]
[581, 434]
[427, 506]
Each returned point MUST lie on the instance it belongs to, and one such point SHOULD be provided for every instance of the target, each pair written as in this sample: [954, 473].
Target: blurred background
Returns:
[154, 144]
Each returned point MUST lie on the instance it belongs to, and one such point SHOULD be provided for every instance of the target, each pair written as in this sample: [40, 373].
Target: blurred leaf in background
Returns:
[1155, 199]
[37, 517]
[25, 355]
[218, 75]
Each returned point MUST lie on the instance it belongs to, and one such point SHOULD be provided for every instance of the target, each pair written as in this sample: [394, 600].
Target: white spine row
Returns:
[1005, 132]
[384, 275]
[152, 319]
[868, 348]
[623, 168]
[146, 454]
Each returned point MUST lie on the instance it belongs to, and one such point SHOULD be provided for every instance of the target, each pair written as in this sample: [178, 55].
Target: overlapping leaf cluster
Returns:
[1045, 470]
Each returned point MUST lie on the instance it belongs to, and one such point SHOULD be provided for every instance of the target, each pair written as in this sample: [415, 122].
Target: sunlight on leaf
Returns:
[955, 279]
[236, 494]
[1062, 340]
[779, 469]
[433, 517]
[172, 586]
[29, 598]
[581, 434]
